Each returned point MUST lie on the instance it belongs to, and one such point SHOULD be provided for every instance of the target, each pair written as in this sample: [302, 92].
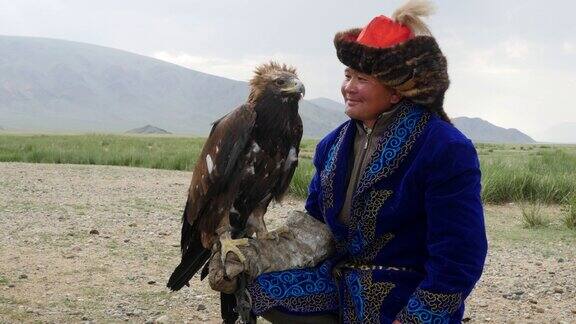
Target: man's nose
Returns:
[350, 86]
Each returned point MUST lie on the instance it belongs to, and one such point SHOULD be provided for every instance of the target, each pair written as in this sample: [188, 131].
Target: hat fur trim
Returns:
[416, 68]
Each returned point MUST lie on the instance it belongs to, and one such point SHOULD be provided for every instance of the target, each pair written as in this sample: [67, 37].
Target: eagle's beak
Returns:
[295, 86]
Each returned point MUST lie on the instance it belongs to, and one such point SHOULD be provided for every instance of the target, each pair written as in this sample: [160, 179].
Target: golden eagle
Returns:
[248, 159]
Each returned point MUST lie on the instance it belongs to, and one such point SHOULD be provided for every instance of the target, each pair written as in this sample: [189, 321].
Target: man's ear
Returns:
[395, 98]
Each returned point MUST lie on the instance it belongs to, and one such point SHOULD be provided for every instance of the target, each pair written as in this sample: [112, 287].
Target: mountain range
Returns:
[63, 86]
[57, 85]
[481, 131]
[478, 130]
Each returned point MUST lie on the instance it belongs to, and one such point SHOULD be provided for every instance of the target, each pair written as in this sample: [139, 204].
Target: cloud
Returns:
[568, 47]
[517, 48]
[238, 69]
[319, 73]
[488, 62]
[512, 58]
[485, 63]
[504, 83]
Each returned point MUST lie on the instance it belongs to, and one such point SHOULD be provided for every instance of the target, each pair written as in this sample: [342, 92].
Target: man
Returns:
[397, 186]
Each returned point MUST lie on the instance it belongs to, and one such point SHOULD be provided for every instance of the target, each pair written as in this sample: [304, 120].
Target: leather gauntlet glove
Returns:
[302, 242]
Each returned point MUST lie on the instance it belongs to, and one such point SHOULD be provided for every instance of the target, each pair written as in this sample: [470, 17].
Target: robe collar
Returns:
[380, 126]
[395, 142]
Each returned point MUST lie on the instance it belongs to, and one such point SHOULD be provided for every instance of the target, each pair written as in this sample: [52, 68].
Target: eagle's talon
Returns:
[230, 245]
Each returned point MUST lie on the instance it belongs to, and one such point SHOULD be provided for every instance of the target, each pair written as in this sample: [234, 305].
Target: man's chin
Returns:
[352, 112]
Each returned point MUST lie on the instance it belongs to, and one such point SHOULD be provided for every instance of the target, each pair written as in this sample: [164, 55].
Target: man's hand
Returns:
[302, 242]
[224, 277]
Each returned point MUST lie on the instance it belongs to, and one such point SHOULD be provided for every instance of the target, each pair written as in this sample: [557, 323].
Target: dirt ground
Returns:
[97, 243]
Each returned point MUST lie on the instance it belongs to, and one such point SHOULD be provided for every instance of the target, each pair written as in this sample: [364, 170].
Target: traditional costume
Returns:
[402, 200]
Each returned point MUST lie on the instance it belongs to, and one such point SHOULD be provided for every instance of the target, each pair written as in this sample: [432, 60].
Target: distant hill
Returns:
[148, 129]
[476, 129]
[479, 130]
[57, 85]
[324, 112]
[328, 104]
[561, 133]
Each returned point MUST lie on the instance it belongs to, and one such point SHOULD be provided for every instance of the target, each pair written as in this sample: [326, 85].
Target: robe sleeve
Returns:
[313, 202]
[456, 236]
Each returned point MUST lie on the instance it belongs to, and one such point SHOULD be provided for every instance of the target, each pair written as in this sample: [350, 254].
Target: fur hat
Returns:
[401, 52]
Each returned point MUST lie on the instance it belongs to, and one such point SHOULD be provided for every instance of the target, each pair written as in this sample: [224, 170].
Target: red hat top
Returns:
[384, 32]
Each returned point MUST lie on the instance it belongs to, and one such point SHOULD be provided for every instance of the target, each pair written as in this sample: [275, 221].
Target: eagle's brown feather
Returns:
[263, 75]
[248, 159]
[210, 191]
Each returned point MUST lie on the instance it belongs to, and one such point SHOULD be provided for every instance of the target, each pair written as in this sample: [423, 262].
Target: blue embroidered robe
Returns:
[416, 243]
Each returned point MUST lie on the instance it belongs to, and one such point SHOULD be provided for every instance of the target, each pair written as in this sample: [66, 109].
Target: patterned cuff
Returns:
[306, 290]
[427, 307]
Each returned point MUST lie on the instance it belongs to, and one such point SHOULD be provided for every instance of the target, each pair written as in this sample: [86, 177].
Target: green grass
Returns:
[506, 229]
[535, 173]
[532, 215]
[174, 153]
[301, 179]
[570, 213]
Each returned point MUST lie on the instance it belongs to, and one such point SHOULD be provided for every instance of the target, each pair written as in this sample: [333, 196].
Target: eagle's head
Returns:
[275, 80]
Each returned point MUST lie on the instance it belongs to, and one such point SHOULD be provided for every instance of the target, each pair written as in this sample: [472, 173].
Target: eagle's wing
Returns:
[290, 163]
[215, 169]
[210, 191]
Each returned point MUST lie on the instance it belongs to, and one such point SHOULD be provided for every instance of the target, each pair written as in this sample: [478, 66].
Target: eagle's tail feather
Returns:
[194, 256]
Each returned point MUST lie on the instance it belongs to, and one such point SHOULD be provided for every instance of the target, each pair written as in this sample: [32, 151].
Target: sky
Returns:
[512, 63]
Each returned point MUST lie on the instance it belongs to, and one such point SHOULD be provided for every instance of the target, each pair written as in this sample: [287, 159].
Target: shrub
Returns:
[570, 213]
[532, 216]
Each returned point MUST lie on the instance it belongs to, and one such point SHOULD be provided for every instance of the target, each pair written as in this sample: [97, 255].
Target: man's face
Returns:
[365, 97]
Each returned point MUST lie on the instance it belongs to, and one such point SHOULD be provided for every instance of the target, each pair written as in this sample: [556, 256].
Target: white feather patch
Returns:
[291, 158]
[250, 169]
[255, 147]
[209, 164]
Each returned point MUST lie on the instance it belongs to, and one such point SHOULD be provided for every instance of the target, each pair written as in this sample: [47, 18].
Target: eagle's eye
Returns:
[280, 82]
